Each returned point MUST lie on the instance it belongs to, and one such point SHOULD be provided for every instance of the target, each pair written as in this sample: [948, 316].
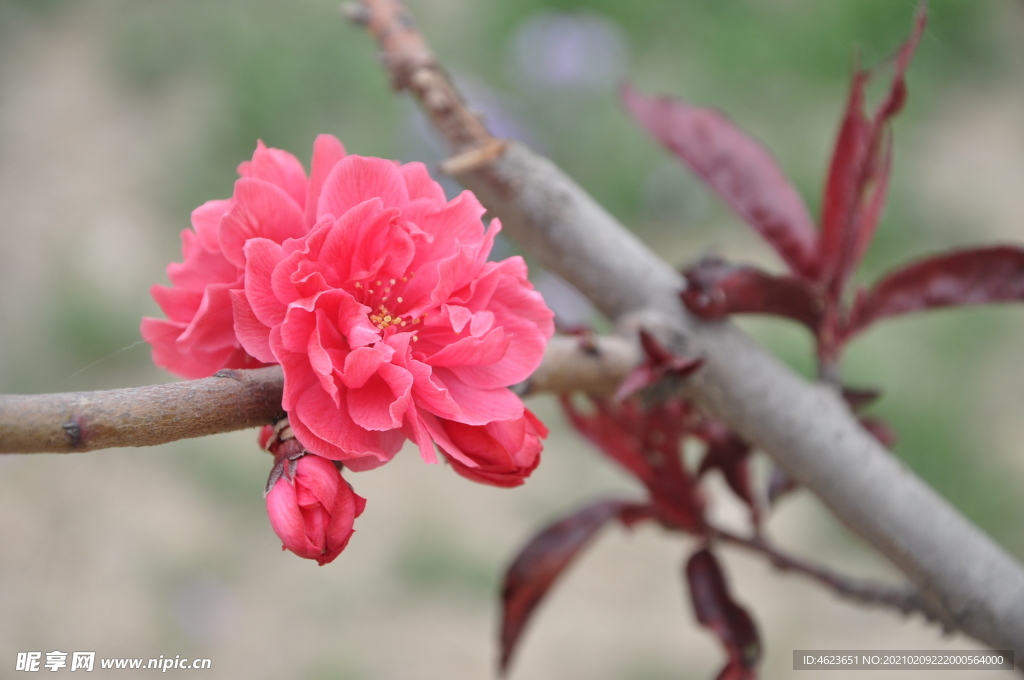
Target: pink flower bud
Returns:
[312, 509]
[505, 451]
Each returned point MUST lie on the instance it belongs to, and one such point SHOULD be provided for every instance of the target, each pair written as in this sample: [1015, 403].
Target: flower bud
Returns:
[312, 508]
[505, 451]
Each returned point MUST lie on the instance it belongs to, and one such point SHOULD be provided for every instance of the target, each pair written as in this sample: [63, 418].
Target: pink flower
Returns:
[505, 451]
[312, 509]
[274, 200]
[387, 317]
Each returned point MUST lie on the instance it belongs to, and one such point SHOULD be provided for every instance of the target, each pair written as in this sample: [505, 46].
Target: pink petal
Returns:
[327, 151]
[362, 363]
[459, 316]
[419, 183]
[212, 327]
[201, 266]
[381, 403]
[355, 179]
[318, 480]
[416, 431]
[261, 258]
[263, 210]
[429, 392]
[471, 351]
[479, 406]
[179, 304]
[206, 222]
[286, 519]
[320, 360]
[253, 335]
[279, 168]
[320, 425]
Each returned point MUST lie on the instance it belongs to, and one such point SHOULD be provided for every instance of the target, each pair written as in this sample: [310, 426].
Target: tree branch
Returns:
[139, 416]
[961, 572]
[236, 400]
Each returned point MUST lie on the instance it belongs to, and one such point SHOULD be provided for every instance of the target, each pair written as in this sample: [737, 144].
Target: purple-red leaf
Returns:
[658, 363]
[880, 430]
[859, 398]
[730, 455]
[544, 558]
[647, 443]
[716, 288]
[859, 172]
[737, 167]
[717, 611]
[964, 277]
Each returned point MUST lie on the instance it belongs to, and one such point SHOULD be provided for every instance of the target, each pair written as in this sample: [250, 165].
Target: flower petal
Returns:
[263, 210]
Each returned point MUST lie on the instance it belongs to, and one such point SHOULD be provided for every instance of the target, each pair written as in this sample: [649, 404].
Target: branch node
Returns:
[356, 13]
[74, 431]
[474, 159]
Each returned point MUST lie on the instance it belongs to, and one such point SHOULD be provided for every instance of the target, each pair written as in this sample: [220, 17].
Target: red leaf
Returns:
[716, 610]
[876, 191]
[715, 288]
[859, 398]
[964, 277]
[858, 176]
[545, 557]
[737, 167]
[880, 430]
[647, 442]
[658, 363]
[731, 455]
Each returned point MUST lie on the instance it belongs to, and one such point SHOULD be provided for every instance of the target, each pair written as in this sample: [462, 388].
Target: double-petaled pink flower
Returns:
[375, 295]
[388, 319]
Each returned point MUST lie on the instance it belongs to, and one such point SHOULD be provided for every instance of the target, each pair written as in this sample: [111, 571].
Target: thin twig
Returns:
[906, 599]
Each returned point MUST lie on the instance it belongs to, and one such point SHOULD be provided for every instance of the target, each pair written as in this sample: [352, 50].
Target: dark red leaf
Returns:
[658, 363]
[880, 430]
[859, 398]
[730, 455]
[737, 167]
[876, 190]
[963, 277]
[647, 443]
[545, 557]
[717, 611]
[716, 288]
[858, 175]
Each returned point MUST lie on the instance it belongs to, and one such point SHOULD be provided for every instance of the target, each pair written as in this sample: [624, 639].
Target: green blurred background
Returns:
[117, 117]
